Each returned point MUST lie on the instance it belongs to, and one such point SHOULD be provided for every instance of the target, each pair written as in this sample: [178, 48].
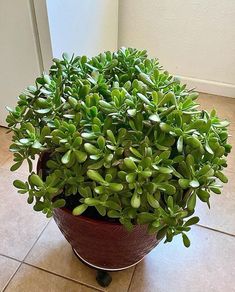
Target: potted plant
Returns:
[124, 154]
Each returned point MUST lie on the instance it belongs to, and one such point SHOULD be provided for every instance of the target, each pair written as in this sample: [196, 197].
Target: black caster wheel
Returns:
[103, 278]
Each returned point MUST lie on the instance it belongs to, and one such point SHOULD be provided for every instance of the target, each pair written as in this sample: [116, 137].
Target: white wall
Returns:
[83, 26]
[20, 63]
[192, 38]
[27, 43]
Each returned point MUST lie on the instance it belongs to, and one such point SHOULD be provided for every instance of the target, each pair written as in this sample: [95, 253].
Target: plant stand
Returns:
[103, 278]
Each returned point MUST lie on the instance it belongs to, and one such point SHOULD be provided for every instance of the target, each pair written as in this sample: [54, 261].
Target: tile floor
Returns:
[35, 257]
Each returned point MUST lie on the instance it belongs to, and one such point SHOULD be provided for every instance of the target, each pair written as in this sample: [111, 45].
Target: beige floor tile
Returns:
[4, 145]
[30, 279]
[6, 157]
[53, 253]
[20, 226]
[24, 168]
[208, 265]
[221, 215]
[7, 269]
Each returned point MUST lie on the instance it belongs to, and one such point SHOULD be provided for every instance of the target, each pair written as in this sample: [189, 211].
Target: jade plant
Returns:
[123, 137]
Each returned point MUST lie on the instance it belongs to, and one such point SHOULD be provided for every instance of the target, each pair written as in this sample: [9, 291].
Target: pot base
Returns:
[103, 278]
[101, 268]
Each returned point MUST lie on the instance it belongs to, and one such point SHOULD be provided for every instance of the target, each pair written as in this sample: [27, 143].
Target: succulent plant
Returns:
[124, 137]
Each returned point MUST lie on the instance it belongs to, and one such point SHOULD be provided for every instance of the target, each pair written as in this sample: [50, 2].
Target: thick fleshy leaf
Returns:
[66, 157]
[79, 209]
[130, 164]
[94, 175]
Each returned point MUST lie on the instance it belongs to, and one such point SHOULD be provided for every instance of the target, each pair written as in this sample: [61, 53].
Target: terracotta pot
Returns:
[102, 244]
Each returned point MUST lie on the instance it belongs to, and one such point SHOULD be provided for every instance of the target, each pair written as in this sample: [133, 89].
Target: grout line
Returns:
[13, 275]
[64, 277]
[36, 241]
[131, 279]
[216, 230]
[11, 258]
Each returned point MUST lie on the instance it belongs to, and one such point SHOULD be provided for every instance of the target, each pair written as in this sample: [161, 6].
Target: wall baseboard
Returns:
[207, 86]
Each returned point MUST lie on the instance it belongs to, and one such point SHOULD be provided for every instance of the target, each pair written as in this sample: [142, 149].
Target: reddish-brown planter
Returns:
[104, 244]
[99, 243]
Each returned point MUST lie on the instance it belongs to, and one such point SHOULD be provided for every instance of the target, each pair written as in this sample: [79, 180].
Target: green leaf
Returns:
[166, 98]
[208, 148]
[47, 79]
[42, 110]
[215, 190]
[184, 183]
[88, 136]
[66, 56]
[100, 190]
[144, 98]
[204, 170]
[186, 240]
[146, 173]
[92, 202]
[170, 202]
[81, 156]
[131, 112]
[24, 141]
[180, 144]
[191, 203]
[59, 203]
[203, 195]
[39, 206]
[165, 170]
[135, 152]
[192, 221]
[37, 145]
[16, 165]
[112, 205]
[66, 157]
[130, 164]
[146, 79]
[221, 124]
[194, 184]
[101, 142]
[131, 177]
[113, 214]
[36, 180]
[101, 209]
[145, 218]
[111, 136]
[221, 176]
[30, 128]
[19, 184]
[135, 201]
[96, 165]
[91, 149]
[162, 233]
[193, 142]
[94, 175]
[167, 188]
[155, 118]
[152, 201]
[115, 187]
[79, 209]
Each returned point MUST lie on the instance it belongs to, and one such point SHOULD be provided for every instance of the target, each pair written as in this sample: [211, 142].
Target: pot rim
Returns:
[91, 220]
